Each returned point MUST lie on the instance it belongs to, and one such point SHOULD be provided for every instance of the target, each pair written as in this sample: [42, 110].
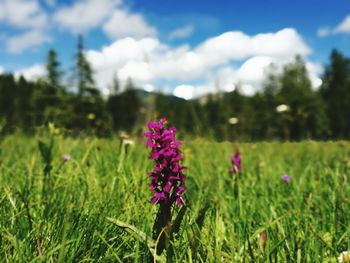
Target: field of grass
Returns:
[60, 213]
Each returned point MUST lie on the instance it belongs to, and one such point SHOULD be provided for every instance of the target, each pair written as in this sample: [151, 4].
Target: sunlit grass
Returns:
[306, 220]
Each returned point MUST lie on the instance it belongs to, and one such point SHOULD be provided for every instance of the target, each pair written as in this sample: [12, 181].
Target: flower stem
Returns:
[162, 227]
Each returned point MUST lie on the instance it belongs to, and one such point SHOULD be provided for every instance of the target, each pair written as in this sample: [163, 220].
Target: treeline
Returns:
[287, 107]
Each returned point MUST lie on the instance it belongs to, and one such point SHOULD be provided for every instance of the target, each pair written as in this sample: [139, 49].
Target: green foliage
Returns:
[124, 109]
[99, 213]
[83, 71]
[316, 114]
[306, 118]
[336, 94]
[53, 72]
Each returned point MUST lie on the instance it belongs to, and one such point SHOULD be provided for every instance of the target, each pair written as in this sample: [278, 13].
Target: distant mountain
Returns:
[147, 97]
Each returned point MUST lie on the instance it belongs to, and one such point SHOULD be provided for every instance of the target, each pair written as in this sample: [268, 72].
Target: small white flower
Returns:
[123, 135]
[128, 142]
[344, 257]
[282, 108]
[233, 120]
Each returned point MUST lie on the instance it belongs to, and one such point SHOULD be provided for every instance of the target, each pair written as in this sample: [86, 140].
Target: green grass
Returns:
[306, 220]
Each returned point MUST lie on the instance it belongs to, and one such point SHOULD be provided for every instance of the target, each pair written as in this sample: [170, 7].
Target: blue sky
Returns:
[186, 47]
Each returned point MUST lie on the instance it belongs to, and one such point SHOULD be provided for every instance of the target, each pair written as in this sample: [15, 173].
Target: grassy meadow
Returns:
[66, 212]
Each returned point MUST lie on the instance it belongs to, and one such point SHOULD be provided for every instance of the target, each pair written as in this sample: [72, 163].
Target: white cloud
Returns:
[182, 32]
[22, 13]
[84, 15]
[116, 21]
[253, 70]
[149, 87]
[137, 70]
[29, 39]
[124, 50]
[127, 57]
[344, 26]
[184, 91]
[249, 76]
[31, 73]
[78, 17]
[51, 3]
[283, 44]
[149, 61]
[124, 24]
[2, 70]
[28, 16]
[324, 31]
[314, 72]
[139, 54]
[224, 79]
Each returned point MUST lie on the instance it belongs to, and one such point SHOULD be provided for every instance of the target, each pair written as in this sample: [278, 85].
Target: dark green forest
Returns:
[287, 108]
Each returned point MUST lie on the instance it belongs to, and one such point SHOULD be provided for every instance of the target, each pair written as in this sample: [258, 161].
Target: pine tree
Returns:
[306, 116]
[115, 87]
[129, 84]
[83, 71]
[53, 72]
[336, 94]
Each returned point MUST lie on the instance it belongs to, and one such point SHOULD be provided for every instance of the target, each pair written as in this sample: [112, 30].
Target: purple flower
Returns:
[167, 177]
[236, 163]
[286, 178]
[66, 157]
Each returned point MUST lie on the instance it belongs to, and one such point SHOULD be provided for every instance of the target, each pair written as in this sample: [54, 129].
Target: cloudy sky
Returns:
[187, 48]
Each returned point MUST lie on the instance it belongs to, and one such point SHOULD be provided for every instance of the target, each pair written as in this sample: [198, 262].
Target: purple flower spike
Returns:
[167, 177]
[286, 178]
[66, 157]
[236, 163]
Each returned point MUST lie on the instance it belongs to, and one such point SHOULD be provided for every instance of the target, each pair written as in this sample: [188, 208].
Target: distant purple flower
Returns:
[167, 176]
[236, 163]
[286, 178]
[66, 157]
